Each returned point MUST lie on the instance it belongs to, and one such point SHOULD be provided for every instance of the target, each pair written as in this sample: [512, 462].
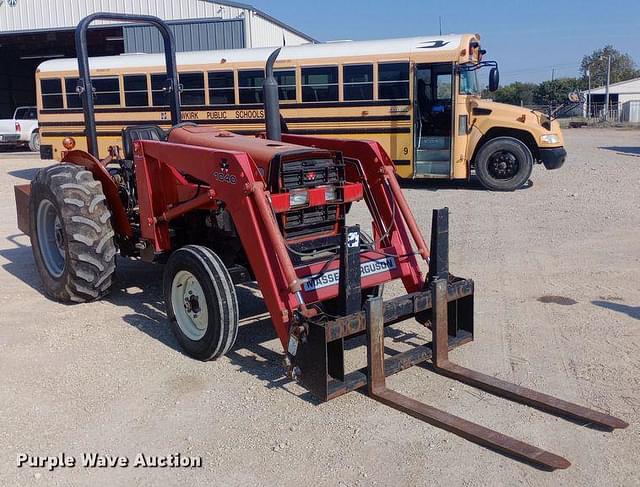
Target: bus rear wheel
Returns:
[504, 164]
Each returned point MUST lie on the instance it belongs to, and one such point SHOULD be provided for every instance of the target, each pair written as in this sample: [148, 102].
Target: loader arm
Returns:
[232, 178]
[240, 188]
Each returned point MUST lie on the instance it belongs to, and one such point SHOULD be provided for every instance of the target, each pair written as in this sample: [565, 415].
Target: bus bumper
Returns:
[553, 158]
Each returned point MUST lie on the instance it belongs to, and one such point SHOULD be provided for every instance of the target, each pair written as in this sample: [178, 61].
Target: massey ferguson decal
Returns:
[368, 268]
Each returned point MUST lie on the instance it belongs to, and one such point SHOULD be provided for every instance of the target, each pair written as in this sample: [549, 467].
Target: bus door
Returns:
[433, 119]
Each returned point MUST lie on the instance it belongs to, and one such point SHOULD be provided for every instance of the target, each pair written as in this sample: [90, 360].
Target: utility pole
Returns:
[553, 73]
[589, 93]
[606, 96]
[440, 23]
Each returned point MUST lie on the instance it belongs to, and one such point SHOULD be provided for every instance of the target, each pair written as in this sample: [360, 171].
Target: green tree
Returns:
[515, 93]
[557, 91]
[623, 67]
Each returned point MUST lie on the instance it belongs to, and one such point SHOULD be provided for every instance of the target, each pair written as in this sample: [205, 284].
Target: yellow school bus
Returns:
[419, 97]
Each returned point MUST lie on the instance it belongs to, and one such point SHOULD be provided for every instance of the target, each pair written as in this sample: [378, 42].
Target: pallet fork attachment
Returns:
[447, 303]
[438, 284]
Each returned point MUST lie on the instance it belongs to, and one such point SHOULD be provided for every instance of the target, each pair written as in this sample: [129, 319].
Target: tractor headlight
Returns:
[330, 193]
[68, 143]
[298, 197]
[550, 138]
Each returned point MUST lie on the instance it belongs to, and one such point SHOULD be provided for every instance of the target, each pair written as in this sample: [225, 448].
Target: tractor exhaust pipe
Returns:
[272, 100]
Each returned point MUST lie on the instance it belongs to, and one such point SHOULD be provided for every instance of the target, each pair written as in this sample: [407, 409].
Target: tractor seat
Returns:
[139, 132]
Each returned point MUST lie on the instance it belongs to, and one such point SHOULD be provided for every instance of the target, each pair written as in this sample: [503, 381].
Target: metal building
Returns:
[32, 31]
[624, 101]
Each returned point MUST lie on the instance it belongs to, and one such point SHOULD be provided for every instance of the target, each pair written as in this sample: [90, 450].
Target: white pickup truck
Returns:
[22, 129]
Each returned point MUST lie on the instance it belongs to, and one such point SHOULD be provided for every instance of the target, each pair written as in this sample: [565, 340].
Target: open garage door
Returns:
[21, 54]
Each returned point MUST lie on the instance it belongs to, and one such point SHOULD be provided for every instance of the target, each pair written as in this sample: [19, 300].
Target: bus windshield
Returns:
[469, 82]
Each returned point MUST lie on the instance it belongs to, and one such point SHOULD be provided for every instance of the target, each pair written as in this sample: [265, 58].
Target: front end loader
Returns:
[219, 209]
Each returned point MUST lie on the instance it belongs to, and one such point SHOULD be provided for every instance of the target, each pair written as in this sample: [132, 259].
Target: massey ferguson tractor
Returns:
[218, 209]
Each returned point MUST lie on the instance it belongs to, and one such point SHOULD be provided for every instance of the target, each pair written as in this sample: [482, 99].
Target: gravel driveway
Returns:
[557, 272]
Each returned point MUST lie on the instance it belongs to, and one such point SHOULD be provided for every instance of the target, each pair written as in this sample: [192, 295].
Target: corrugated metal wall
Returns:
[190, 36]
[30, 15]
[56, 14]
[630, 111]
[264, 33]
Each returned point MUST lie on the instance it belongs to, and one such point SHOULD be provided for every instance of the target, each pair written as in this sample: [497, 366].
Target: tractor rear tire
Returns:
[503, 164]
[201, 302]
[71, 234]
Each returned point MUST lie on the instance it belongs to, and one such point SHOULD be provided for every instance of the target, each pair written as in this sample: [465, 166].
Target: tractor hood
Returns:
[261, 150]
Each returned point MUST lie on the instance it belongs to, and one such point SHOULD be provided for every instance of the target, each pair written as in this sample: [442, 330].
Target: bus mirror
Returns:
[494, 79]
[575, 97]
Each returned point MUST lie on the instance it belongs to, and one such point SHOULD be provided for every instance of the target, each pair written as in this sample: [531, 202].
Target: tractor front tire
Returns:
[201, 302]
[71, 234]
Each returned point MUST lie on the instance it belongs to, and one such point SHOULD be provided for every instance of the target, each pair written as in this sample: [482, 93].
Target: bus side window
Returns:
[158, 95]
[286, 84]
[320, 84]
[443, 82]
[51, 90]
[107, 91]
[73, 99]
[192, 88]
[135, 90]
[357, 82]
[393, 81]
[221, 90]
[250, 86]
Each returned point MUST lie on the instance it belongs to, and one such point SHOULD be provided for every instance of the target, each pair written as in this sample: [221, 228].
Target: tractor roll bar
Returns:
[85, 88]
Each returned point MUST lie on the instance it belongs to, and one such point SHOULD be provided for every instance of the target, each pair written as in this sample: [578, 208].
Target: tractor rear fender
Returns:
[120, 220]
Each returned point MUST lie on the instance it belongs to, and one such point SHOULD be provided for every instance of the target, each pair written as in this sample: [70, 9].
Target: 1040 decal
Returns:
[225, 177]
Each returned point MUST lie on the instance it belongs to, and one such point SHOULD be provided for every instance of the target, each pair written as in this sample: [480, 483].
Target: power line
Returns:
[539, 69]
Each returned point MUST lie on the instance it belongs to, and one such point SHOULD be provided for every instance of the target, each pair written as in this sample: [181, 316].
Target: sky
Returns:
[529, 39]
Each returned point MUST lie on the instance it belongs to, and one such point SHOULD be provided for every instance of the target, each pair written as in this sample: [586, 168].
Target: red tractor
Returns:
[219, 209]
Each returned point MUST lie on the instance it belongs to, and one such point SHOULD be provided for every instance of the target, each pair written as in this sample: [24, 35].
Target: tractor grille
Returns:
[309, 173]
[305, 174]
[307, 221]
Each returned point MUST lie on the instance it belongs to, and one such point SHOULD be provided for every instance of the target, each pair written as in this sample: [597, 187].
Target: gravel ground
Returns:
[108, 377]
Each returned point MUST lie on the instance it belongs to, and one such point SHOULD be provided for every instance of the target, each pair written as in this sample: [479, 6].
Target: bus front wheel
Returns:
[503, 164]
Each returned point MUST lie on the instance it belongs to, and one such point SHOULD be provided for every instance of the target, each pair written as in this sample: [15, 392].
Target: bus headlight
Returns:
[298, 197]
[550, 138]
